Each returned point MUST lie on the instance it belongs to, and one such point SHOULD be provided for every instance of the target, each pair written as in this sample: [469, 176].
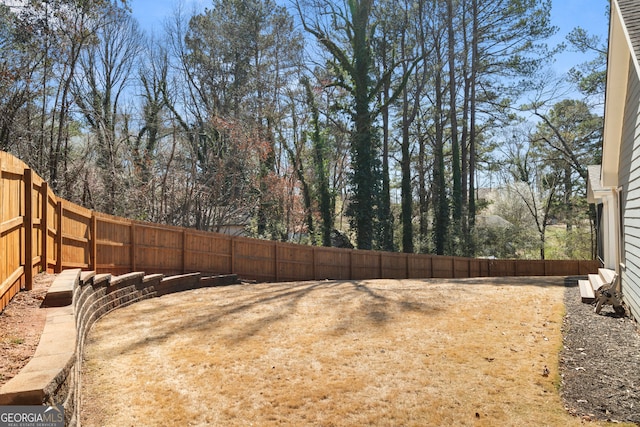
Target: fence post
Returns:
[132, 251]
[93, 243]
[44, 226]
[58, 238]
[184, 249]
[28, 229]
[431, 274]
[350, 264]
[545, 268]
[313, 265]
[276, 261]
[406, 265]
[232, 254]
[3, 254]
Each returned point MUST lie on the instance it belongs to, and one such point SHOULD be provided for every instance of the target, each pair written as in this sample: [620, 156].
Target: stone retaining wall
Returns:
[74, 302]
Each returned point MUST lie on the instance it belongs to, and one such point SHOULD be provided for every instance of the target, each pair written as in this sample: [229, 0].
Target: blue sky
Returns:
[566, 15]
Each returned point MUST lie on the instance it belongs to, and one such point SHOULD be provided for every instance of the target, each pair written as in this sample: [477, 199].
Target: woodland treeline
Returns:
[375, 121]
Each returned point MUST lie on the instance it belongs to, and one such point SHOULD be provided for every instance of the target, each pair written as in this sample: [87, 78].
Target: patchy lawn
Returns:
[480, 352]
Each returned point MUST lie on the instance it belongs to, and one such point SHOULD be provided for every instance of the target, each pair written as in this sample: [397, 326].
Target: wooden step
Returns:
[606, 275]
[586, 291]
[596, 281]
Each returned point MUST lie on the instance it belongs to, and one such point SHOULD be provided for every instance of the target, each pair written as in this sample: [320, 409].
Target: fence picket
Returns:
[28, 229]
[58, 236]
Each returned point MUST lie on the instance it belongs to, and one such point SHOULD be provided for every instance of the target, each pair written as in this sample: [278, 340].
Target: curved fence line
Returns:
[42, 232]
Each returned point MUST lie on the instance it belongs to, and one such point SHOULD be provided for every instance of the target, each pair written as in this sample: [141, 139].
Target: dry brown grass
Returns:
[378, 352]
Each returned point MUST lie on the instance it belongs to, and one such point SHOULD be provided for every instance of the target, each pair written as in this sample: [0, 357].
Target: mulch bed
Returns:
[599, 362]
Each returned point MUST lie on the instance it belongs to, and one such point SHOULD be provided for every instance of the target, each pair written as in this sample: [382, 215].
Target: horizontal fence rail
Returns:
[41, 232]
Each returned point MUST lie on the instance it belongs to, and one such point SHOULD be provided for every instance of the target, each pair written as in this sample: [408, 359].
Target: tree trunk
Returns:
[441, 214]
[407, 193]
[455, 143]
[385, 216]
[472, 126]
[362, 148]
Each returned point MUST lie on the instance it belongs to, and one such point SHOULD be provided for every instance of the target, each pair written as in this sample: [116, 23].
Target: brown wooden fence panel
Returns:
[394, 265]
[365, 265]
[158, 249]
[420, 266]
[113, 245]
[52, 221]
[332, 263]
[478, 267]
[529, 268]
[443, 267]
[502, 267]
[586, 267]
[556, 267]
[461, 267]
[39, 232]
[208, 253]
[254, 259]
[295, 262]
[76, 235]
[11, 227]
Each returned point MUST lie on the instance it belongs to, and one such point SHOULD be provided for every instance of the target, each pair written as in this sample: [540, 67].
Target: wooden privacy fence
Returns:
[41, 232]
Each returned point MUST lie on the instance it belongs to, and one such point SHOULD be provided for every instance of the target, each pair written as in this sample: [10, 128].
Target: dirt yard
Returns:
[21, 325]
[481, 352]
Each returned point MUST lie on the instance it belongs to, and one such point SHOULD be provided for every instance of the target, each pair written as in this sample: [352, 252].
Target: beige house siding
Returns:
[629, 194]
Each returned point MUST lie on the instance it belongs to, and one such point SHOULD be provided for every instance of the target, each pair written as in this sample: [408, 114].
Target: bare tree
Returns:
[534, 183]
[107, 71]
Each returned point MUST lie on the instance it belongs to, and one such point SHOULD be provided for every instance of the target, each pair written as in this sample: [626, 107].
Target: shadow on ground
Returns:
[357, 302]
